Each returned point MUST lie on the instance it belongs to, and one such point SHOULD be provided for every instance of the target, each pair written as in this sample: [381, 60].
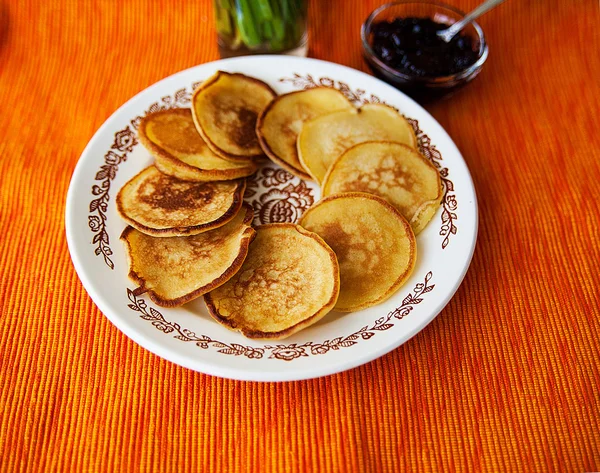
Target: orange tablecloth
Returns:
[507, 378]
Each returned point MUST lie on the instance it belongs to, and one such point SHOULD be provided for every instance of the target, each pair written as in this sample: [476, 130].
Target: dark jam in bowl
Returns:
[411, 46]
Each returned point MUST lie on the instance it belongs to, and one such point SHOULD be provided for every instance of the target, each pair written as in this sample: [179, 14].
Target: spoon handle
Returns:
[476, 13]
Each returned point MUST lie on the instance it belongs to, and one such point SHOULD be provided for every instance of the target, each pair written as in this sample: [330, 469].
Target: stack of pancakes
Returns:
[189, 233]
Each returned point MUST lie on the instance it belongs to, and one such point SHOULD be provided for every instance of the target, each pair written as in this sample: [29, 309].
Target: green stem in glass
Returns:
[274, 25]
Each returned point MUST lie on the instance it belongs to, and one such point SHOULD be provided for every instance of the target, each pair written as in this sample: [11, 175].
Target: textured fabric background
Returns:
[507, 377]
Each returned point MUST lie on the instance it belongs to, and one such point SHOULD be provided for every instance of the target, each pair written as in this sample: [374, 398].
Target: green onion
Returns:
[261, 25]
[246, 25]
[263, 10]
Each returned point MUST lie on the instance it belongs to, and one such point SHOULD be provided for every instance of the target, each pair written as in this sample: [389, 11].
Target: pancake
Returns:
[175, 270]
[279, 124]
[180, 151]
[289, 280]
[395, 172]
[374, 244]
[162, 205]
[225, 109]
[324, 138]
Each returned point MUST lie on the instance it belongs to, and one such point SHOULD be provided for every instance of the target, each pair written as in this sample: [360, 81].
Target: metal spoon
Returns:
[449, 33]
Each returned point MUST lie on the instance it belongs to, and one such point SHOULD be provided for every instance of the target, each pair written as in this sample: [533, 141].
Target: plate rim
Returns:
[225, 371]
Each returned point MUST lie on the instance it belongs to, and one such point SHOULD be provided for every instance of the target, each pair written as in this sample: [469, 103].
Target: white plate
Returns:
[187, 335]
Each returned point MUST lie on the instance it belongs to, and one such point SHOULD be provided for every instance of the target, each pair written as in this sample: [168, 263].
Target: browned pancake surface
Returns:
[289, 280]
[162, 205]
[180, 151]
[225, 110]
[374, 244]
[280, 123]
[324, 138]
[395, 172]
[175, 270]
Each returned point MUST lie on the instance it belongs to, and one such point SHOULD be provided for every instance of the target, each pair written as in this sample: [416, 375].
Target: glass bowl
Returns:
[422, 88]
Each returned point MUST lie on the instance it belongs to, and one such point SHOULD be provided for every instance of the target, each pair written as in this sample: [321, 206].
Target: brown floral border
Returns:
[449, 202]
[359, 97]
[282, 351]
[356, 96]
[124, 142]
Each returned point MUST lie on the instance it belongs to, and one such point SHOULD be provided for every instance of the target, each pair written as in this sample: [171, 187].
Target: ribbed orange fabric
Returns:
[507, 378]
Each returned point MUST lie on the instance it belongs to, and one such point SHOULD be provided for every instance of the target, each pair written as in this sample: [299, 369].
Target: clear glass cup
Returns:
[261, 27]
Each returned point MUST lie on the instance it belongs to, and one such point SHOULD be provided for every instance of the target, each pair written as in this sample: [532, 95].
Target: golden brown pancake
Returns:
[175, 270]
[374, 244]
[399, 174]
[162, 205]
[180, 151]
[289, 280]
[324, 138]
[225, 109]
[279, 124]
